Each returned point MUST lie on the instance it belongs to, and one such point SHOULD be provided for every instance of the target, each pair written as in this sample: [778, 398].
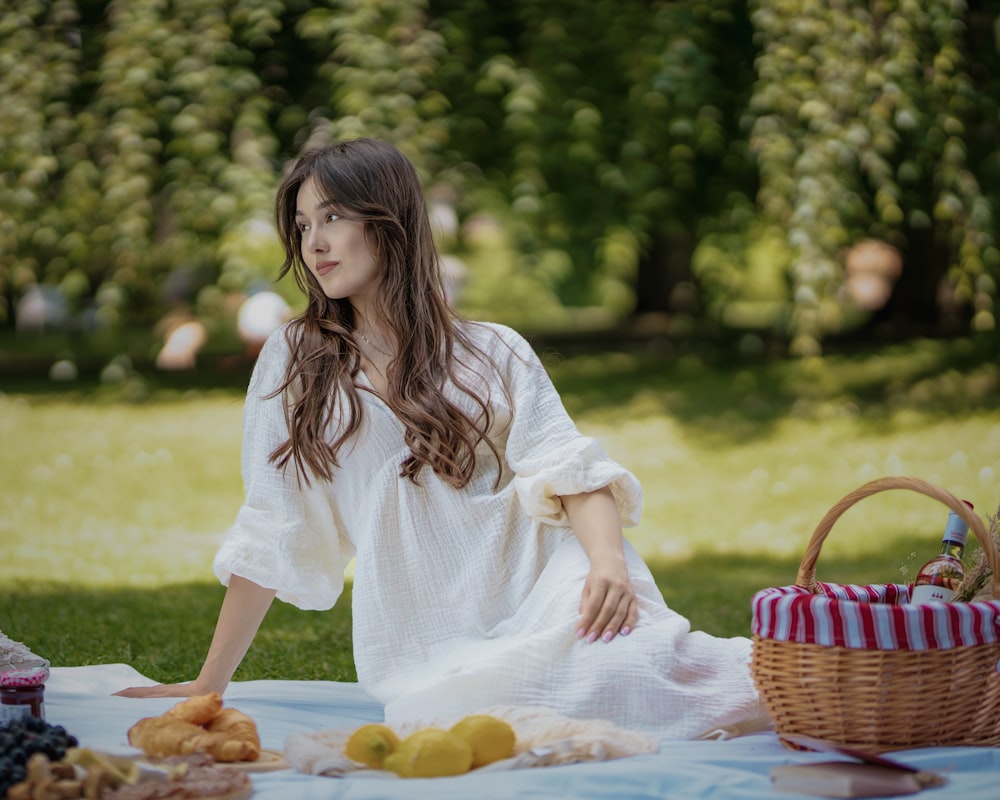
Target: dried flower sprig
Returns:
[977, 582]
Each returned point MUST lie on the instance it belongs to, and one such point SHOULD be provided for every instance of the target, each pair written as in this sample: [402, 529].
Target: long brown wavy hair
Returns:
[371, 181]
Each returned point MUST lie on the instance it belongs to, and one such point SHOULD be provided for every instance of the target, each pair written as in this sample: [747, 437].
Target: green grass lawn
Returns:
[114, 498]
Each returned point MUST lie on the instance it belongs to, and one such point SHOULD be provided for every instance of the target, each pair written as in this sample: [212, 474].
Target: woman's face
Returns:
[334, 249]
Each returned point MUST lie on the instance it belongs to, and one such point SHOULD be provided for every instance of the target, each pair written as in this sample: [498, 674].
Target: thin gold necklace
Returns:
[372, 345]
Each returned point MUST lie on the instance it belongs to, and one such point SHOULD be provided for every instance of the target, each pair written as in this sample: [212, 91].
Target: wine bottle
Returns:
[938, 579]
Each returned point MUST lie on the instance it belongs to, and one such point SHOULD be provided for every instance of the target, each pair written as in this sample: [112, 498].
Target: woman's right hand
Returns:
[163, 690]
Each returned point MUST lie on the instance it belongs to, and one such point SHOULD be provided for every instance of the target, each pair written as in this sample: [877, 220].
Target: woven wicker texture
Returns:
[882, 700]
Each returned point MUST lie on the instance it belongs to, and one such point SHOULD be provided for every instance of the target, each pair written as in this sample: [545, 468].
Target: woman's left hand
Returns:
[608, 606]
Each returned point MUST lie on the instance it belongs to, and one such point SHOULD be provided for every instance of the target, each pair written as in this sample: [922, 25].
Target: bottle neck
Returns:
[955, 534]
[950, 547]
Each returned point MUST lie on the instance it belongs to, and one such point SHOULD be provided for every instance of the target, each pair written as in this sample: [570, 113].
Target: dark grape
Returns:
[22, 738]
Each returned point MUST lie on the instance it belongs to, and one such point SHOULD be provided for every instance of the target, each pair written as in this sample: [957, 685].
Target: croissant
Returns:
[162, 736]
[197, 710]
[222, 748]
[236, 726]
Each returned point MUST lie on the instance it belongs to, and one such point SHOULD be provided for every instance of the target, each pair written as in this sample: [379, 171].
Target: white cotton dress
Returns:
[465, 599]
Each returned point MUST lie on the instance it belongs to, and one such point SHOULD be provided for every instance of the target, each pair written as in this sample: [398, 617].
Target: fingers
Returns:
[607, 610]
[159, 690]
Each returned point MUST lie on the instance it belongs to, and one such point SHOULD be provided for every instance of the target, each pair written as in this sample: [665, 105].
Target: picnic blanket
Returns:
[80, 699]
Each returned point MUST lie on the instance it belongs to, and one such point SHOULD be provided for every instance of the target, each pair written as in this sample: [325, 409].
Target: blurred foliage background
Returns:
[787, 171]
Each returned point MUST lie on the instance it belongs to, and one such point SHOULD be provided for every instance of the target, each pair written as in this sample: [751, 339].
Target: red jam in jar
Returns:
[22, 689]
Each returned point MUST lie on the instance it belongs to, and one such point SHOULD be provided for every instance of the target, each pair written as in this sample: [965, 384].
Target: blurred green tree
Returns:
[712, 160]
[860, 125]
[612, 134]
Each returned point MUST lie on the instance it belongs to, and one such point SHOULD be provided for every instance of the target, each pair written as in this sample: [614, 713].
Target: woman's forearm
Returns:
[243, 609]
[595, 521]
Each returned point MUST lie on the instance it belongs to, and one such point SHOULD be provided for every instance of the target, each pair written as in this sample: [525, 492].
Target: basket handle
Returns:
[807, 568]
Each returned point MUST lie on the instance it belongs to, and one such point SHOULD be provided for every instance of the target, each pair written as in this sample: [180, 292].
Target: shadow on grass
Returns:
[216, 375]
[165, 632]
[737, 399]
[714, 591]
[711, 389]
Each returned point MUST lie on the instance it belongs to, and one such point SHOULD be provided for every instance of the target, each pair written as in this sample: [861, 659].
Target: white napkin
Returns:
[543, 738]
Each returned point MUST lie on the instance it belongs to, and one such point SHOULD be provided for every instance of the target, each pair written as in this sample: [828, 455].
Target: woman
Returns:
[490, 568]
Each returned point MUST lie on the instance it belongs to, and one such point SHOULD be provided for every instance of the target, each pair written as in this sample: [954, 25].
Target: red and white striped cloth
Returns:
[871, 618]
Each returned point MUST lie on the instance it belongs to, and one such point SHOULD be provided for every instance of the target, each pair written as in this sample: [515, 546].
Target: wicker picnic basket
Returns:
[860, 667]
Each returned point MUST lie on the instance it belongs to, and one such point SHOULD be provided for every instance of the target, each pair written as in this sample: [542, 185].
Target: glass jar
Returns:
[22, 689]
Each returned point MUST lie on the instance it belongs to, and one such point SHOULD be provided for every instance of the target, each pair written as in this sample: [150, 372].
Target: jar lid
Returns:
[24, 673]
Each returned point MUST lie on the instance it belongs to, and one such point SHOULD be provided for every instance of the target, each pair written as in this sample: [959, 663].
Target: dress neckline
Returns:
[371, 397]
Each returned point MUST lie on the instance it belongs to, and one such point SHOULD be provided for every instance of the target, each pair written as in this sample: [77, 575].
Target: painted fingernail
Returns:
[592, 638]
[579, 633]
[608, 636]
[626, 631]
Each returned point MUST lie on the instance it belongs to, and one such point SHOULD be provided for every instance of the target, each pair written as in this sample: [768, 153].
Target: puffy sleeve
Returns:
[546, 452]
[285, 536]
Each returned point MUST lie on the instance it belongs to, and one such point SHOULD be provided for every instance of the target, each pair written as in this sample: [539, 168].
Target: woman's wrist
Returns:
[211, 679]
[610, 554]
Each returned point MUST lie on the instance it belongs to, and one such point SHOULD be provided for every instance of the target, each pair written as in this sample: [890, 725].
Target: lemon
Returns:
[430, 753]
[371, 743]
[490, 738]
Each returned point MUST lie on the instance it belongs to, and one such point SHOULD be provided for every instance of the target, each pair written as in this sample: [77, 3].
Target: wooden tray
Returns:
[269, 761]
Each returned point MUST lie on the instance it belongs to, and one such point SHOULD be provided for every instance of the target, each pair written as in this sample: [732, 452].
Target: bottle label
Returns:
[931, 594]
[9, 713]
